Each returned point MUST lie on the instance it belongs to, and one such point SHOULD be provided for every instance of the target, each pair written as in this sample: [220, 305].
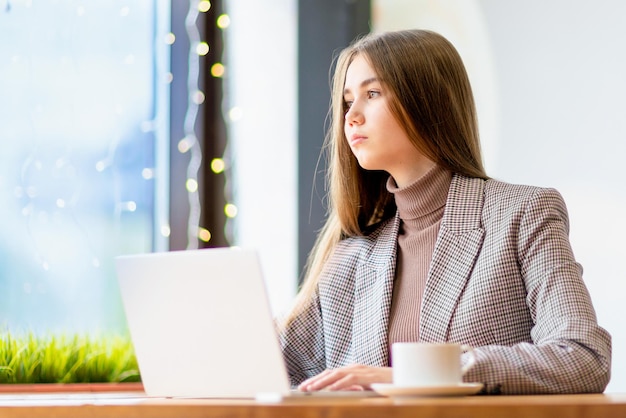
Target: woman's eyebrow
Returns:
[363, 83]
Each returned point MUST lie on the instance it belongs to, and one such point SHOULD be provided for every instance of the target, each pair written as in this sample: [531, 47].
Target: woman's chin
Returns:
[367, 164]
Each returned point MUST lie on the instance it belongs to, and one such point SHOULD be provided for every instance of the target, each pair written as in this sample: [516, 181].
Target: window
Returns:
[84, 111]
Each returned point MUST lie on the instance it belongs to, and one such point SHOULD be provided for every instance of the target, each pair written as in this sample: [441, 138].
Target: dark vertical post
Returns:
[324, 28]
[213, 137]
[210, 129]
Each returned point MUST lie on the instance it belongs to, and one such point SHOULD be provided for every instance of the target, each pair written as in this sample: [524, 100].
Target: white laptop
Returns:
[201, 325]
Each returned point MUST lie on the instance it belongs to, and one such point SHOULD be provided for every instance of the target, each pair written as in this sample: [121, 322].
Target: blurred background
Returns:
[151, 125]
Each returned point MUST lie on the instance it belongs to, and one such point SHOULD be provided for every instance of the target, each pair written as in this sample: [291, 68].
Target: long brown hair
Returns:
[431, 97]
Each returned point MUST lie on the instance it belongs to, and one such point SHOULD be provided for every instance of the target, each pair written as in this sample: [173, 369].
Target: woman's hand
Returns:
[354, 377]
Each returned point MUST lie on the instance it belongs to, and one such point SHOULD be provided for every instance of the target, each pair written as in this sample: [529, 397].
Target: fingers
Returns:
[355, 377]
[349, 381]
[321, 381]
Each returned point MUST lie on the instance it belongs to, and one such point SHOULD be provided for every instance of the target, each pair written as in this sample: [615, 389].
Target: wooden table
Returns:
[135, 404]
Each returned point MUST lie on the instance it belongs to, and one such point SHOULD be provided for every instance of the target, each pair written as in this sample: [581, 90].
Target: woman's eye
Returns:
[347, 105]
[373, 93]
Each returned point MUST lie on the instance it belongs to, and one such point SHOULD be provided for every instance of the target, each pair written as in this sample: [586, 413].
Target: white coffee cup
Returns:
[427, 364]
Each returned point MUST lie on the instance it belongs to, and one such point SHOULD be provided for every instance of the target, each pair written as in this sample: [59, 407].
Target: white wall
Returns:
[261, 65]
[550, 83]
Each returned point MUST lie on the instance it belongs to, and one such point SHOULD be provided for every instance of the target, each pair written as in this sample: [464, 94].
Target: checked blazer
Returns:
[503, 279]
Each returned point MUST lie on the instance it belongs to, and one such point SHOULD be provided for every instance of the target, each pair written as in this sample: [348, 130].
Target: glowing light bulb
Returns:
[191, 185]
[185, 144]
[217, 69]
[204, 6]
[235, 114]
[218, 165]
[147, 173]
[202, 48]
[230, 210]
[204, 234]
[130, 206]
[198, 97]
[223, 21]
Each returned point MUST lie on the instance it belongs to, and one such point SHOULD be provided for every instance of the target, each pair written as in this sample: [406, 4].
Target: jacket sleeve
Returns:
[302, 343]
[569, 352]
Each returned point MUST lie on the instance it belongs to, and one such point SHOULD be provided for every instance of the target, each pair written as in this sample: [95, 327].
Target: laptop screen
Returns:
[201, 323]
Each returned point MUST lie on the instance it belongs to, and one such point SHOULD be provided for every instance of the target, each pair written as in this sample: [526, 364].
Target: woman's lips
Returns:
[356, 139]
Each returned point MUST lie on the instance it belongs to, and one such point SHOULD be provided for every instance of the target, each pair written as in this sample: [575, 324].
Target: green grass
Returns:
[66, 359]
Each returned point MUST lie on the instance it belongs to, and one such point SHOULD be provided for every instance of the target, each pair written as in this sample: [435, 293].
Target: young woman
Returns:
[421, 245]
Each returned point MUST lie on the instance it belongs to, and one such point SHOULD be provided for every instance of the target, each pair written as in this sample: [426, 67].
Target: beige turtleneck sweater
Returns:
[420, 207]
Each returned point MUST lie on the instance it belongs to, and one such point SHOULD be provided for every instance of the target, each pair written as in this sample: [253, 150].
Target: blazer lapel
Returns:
[458, 244]
[372, 298]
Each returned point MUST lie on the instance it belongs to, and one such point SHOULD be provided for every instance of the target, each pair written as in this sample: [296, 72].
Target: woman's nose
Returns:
[354, 116]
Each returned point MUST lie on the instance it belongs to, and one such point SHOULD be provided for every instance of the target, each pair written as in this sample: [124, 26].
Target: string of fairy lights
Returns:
[190, 143]
[84, 168]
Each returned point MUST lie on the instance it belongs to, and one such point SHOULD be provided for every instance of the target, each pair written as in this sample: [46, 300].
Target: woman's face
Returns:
[376, 138]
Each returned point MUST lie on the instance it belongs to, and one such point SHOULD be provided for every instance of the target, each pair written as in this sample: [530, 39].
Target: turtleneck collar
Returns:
[424, 196]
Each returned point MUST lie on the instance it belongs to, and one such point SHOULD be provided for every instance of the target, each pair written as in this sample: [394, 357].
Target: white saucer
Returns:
[462, 389]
